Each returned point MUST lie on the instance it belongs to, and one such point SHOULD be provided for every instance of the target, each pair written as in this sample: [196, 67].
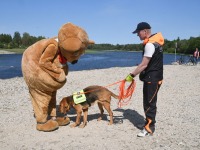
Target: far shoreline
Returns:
[6, 52]
[89, 51]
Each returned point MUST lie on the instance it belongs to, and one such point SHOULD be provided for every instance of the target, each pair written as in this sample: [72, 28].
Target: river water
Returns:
[10, 64]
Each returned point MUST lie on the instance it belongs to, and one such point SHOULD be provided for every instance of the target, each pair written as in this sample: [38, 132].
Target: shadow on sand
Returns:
[133, 116]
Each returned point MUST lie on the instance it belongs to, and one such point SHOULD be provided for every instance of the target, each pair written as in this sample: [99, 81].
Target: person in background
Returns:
[196, 56]
[151, 73]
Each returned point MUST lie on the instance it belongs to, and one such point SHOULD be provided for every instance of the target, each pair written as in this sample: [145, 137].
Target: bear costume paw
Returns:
[48, 126]
[63, 121]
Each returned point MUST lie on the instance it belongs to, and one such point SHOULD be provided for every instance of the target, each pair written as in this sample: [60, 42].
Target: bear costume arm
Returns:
[46, 61]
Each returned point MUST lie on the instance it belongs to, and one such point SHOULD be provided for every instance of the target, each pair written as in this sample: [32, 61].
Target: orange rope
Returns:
[125, 93]
[102, 87]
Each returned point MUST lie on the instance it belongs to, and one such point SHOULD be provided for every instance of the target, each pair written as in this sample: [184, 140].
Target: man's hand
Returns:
[130, 78]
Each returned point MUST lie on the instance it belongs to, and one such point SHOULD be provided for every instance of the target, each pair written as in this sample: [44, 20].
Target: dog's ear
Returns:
[62, 108]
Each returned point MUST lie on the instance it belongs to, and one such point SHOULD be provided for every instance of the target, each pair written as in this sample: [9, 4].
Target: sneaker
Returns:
[143, 133]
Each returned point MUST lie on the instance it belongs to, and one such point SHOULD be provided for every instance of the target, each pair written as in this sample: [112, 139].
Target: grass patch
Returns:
[88, 51]
[15, 50]
[20, 51]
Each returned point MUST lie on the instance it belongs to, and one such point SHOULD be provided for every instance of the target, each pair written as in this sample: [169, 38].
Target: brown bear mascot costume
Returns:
[44, 67]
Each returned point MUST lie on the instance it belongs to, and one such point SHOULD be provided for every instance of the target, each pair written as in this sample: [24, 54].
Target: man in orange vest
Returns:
[150, 71]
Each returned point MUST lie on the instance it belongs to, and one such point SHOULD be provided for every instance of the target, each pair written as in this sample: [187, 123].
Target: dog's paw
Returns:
[73, 125]
[110, 123]
[99, 119]
[82, 126]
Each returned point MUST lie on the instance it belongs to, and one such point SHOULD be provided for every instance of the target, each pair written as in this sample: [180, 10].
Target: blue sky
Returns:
[105, 21]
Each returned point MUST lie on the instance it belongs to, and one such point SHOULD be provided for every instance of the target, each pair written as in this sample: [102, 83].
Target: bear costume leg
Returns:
[52, 105]
[44, 104]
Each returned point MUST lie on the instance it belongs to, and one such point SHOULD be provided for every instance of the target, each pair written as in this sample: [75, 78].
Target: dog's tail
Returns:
[114, 95]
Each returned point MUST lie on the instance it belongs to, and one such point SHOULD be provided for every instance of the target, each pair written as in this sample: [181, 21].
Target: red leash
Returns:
[125, 93]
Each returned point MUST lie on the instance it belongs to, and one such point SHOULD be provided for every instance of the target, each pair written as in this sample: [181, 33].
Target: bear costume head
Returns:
[72, 41]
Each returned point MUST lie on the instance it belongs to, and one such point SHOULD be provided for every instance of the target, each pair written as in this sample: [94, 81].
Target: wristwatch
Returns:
[132, 75]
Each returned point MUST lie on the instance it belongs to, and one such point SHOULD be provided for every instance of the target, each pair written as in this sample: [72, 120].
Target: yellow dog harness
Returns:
[79, 97]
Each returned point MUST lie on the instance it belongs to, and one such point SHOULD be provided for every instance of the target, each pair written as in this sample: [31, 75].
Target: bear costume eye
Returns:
[76, 53]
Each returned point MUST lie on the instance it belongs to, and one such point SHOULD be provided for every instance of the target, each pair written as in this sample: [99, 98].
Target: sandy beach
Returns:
[178, 116]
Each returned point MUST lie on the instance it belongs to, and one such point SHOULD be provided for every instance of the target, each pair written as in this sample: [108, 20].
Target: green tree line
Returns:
[185, 46]
[17, 41]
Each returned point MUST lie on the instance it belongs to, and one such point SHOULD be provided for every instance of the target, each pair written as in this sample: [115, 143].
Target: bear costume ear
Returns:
[72, 38]
[91, 42]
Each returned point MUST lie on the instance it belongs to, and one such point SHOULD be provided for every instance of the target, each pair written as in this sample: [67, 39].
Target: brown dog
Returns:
[93, 94]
